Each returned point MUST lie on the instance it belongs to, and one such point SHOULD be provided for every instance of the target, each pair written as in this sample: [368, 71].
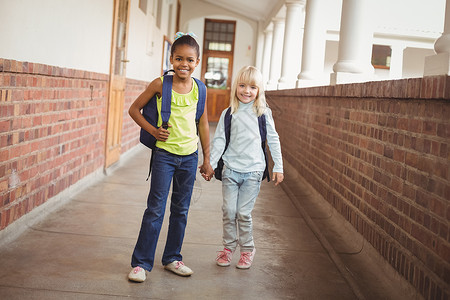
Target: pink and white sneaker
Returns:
[179, 268]
[137, 274]
[224, 257]
[246, 259]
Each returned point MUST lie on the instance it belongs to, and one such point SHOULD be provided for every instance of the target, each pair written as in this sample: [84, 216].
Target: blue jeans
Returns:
[239, 192]
[166, 166]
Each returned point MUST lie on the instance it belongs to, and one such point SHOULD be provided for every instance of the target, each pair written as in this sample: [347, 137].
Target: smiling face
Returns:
[184, 60]
[246, 93]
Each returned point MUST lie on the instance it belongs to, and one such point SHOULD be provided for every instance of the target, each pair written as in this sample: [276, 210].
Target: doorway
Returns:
[117, 82]
[217, 65]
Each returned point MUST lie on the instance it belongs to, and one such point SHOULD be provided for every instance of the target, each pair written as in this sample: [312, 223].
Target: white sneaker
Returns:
[179, 268]
[137, 274]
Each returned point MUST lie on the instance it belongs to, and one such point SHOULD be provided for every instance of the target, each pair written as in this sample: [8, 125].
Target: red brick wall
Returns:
[379, 153]
[130, 130]
[52, 131]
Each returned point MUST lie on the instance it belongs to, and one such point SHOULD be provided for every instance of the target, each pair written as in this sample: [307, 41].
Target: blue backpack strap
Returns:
[201, 99]
[263, 134]
[166, 100]
[227, 126]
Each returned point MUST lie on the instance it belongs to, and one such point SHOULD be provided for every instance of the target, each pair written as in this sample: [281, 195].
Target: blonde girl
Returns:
[244, 163]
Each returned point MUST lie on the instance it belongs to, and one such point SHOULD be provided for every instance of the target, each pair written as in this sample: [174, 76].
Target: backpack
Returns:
[263, 134]
[150, 111]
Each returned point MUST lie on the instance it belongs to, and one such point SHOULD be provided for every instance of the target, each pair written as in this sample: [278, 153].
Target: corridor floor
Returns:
[82, 250]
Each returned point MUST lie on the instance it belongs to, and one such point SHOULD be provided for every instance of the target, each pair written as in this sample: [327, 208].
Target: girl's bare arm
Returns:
[203, 131]
[154, 88]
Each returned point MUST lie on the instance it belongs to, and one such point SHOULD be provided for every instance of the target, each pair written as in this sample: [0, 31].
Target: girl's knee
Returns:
[229, 214]
[244, 217]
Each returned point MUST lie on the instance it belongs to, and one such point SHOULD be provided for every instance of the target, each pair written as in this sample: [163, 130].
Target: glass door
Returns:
[217, 64]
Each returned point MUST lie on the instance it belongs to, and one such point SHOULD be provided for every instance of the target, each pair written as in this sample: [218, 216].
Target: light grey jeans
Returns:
[239, 192]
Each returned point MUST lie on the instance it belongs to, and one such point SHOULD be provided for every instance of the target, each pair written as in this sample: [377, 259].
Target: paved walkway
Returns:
[82, 250]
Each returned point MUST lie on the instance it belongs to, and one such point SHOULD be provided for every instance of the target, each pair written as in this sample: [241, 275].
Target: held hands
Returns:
[207, 171]
[277, 178]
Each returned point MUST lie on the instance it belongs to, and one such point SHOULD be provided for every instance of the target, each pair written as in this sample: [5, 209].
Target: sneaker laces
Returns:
[136, 270]
[245, 258]
[223, 254]
[179, 264]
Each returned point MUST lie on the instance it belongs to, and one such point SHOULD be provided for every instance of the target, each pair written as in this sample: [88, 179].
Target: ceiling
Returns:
[258, 10]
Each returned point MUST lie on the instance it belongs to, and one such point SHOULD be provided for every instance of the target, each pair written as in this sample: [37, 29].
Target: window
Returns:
[143, 5]
[219, 35]
[169, 20]
[159, 13]
[381, 56]
[152, 5]
[216, 75]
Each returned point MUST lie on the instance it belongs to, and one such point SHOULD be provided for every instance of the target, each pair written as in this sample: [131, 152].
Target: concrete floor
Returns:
[82, 250]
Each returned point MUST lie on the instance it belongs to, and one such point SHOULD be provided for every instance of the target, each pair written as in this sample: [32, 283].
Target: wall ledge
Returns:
[14, 66]
[431, 87]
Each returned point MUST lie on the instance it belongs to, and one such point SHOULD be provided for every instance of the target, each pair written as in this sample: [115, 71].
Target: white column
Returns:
[260, 46]
[292, 48]
[314, 42]
[439, 64]
[355, 43]
[396, 66]
[268, 34]
[276, 52]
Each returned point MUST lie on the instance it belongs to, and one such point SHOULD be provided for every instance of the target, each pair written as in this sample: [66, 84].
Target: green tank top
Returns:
[183, 139]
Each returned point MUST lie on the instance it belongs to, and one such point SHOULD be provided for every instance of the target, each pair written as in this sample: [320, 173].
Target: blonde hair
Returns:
[251, 76]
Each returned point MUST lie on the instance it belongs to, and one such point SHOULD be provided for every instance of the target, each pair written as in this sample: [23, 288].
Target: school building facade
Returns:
[359, 93]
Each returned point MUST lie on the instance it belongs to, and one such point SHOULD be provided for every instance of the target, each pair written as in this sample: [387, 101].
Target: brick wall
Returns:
[130, 130]
[379, 153]
[52, 131]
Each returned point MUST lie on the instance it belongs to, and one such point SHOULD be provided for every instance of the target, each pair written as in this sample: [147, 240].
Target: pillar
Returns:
[260, 45]
[276, 52]
[396, 66]
[355, 43]
[292, 45]
[268, 35]
[439, 64]
[314, 43]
